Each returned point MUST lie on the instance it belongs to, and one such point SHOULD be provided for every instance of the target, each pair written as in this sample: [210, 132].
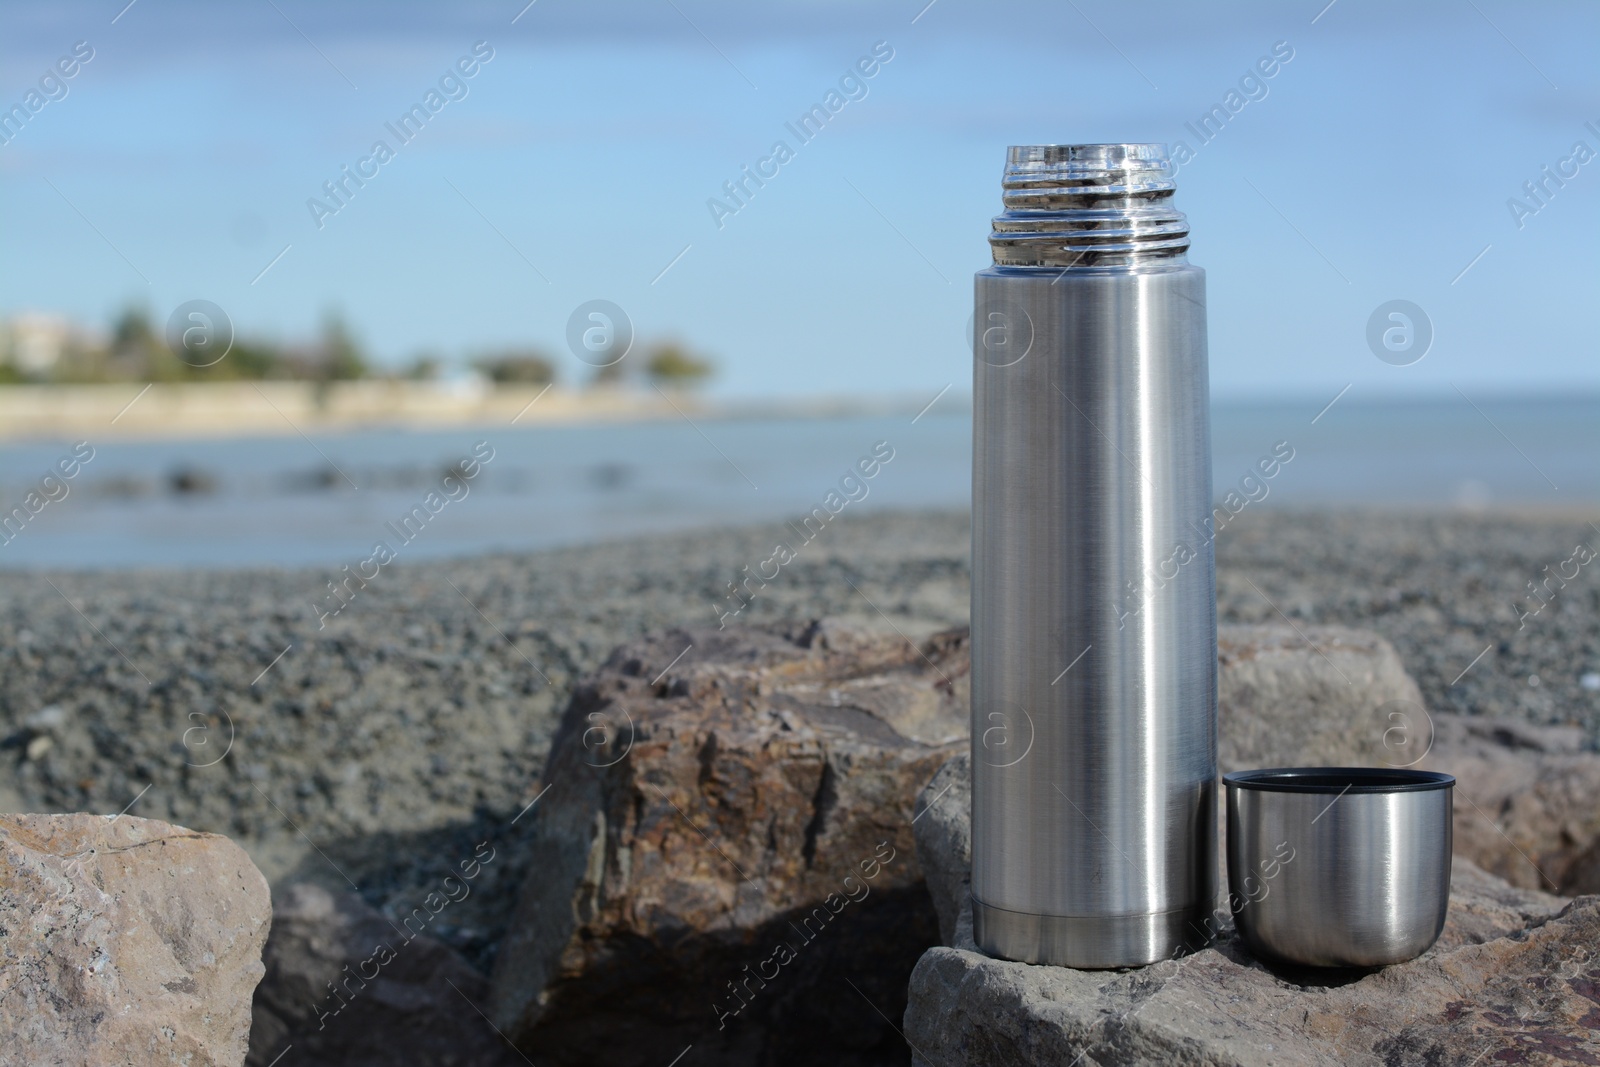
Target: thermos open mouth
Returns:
[1339, 780]
[1089, 207]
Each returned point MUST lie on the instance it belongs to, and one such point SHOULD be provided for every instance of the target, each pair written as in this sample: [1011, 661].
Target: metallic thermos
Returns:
[1094, 633]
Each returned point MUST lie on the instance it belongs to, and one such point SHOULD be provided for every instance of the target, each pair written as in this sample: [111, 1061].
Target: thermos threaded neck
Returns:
[1089, 205]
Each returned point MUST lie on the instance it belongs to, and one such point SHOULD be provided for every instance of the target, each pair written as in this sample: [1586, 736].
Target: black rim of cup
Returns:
[1339, 780]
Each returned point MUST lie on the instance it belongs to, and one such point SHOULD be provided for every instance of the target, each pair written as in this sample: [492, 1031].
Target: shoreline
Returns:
[32, 414]
[178, 411]
[1540, 515]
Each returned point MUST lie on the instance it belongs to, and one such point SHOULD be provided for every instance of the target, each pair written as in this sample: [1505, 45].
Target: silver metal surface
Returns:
[1339, 867]
[1093, 583]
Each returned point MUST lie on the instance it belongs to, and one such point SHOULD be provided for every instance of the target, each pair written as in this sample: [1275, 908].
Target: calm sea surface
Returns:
[290, 501]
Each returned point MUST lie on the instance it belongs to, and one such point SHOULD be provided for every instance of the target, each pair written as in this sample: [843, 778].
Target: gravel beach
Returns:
[376, 748]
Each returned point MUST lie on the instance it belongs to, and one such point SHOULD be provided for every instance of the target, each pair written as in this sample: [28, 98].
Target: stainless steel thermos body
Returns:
[1093, 578]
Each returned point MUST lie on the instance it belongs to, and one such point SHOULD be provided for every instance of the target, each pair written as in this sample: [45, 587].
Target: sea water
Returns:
[327, 500]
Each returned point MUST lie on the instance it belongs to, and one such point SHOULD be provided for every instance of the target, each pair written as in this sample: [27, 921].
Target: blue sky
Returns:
[580, 161]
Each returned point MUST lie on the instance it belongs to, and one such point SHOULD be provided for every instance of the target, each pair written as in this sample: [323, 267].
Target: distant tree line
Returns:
[136, 351]
[664, 364]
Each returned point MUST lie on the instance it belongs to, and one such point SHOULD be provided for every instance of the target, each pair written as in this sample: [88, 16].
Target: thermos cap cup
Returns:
[1338, 866]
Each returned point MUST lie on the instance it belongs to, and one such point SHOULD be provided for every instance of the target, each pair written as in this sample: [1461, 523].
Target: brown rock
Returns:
[740, 812]
[1515, 977]
[346, 987]
[1527, 803]
[126, 941]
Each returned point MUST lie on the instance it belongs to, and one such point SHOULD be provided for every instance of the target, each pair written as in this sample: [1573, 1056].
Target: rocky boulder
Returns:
[347, 987]
[1515, 977]
[723, 854]
[126, 940]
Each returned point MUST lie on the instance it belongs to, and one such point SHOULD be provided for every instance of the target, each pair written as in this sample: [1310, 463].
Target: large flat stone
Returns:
[1515, 977]
[1523, 998]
